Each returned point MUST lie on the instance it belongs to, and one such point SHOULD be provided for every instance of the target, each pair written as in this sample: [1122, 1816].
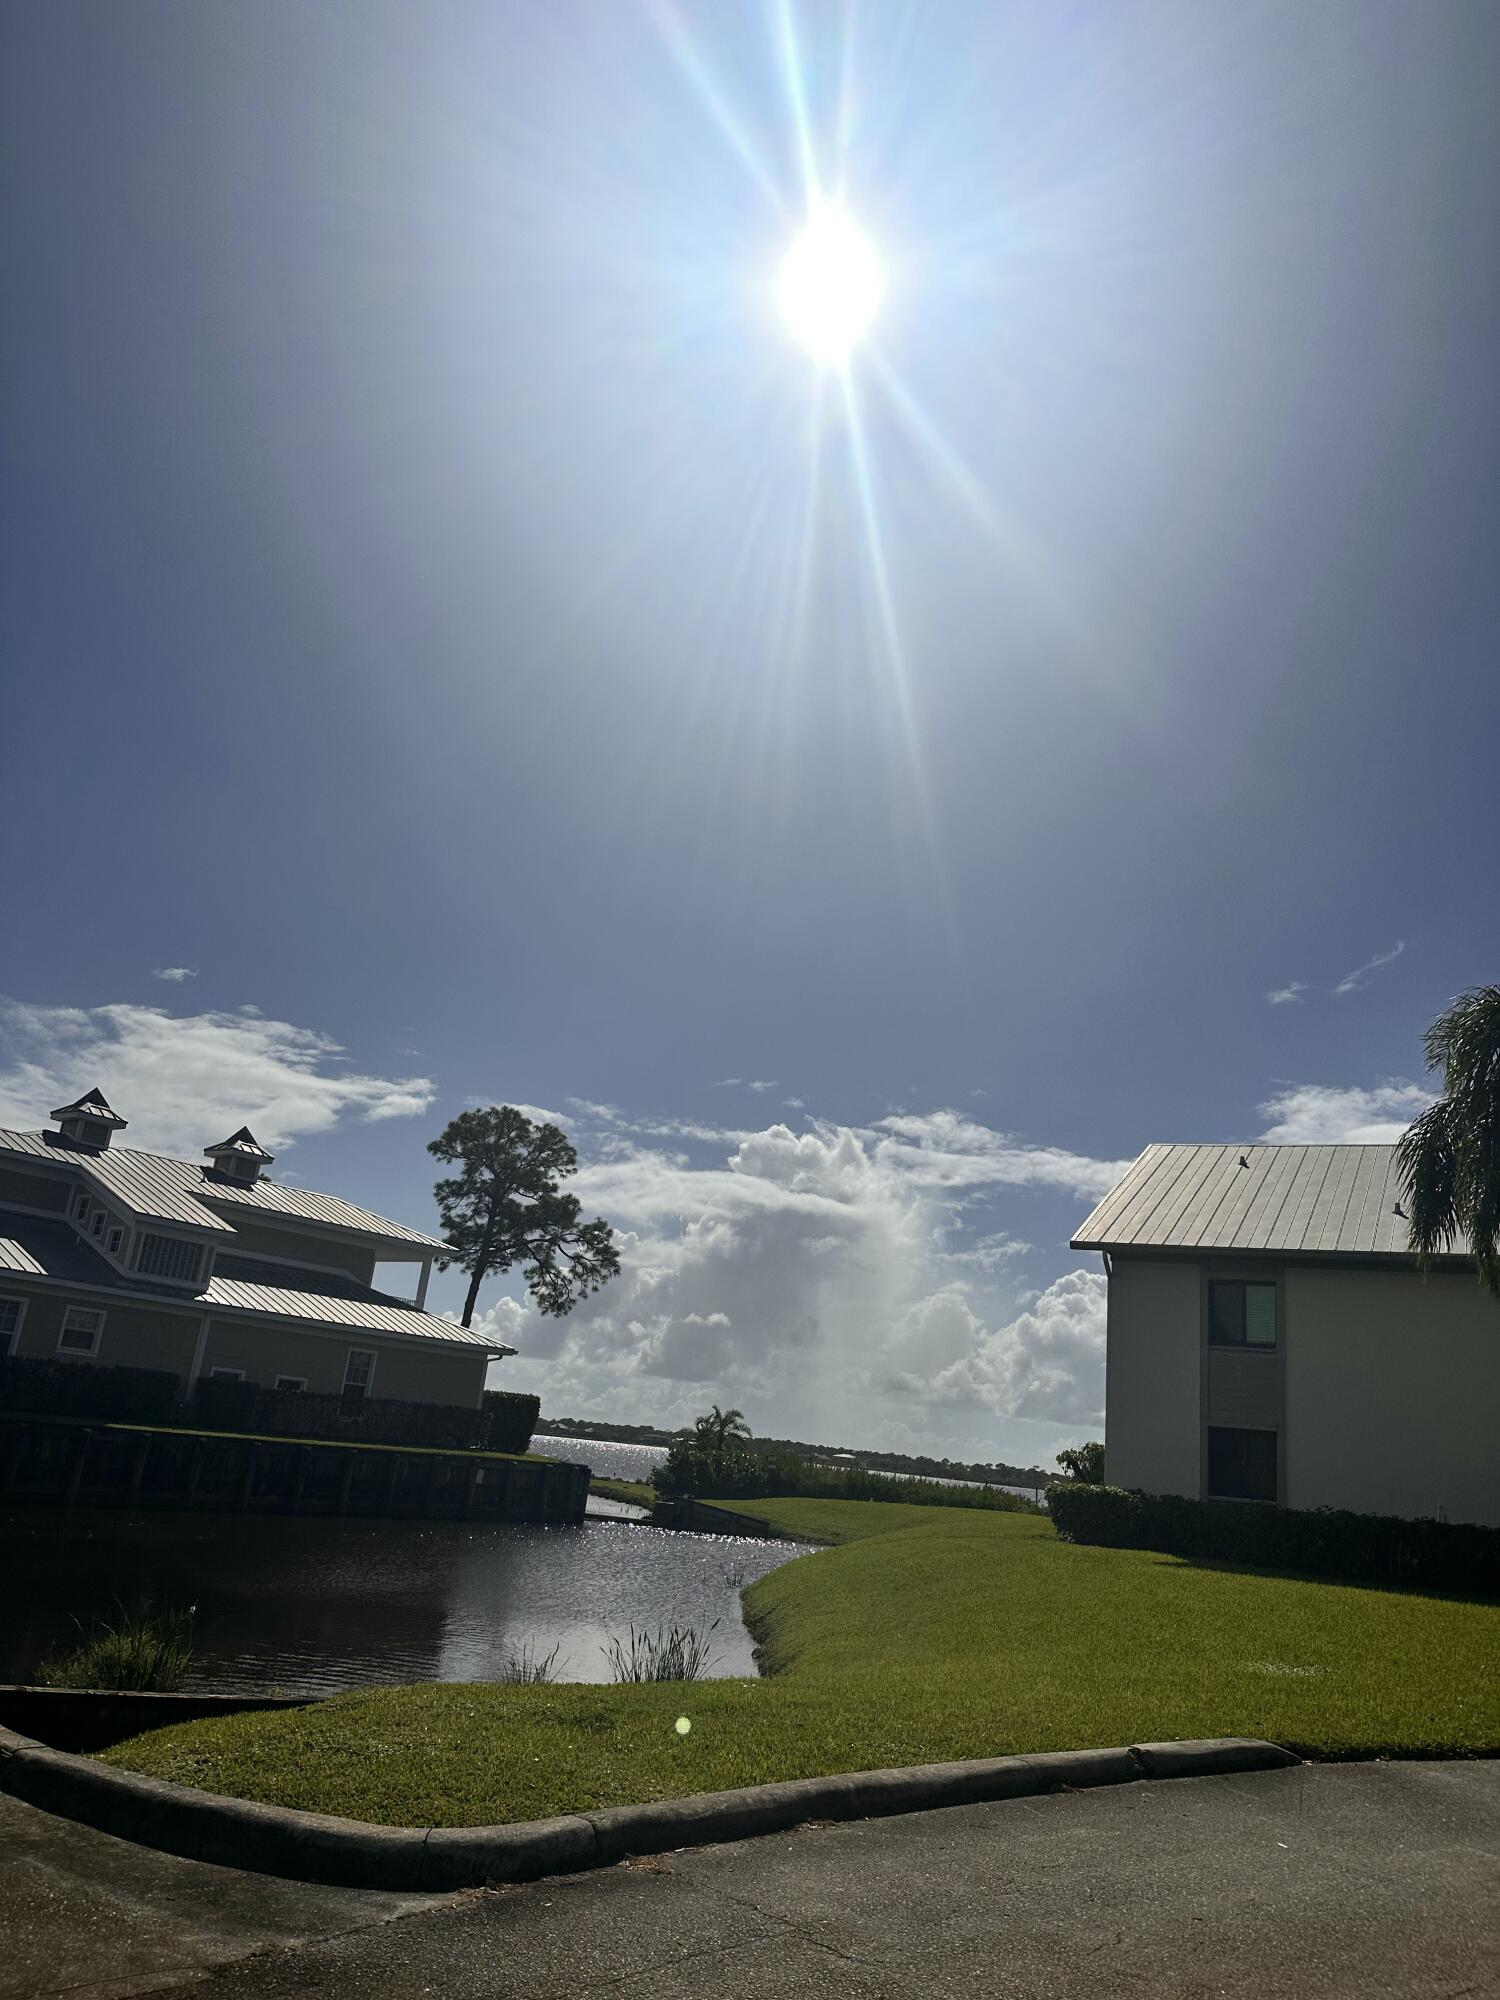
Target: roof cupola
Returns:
[90, 1120]
[240, 1157]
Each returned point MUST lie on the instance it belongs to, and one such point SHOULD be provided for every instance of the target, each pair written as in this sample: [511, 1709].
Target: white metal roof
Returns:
[49, 1249]
[160, 1189]
[1309, 1200]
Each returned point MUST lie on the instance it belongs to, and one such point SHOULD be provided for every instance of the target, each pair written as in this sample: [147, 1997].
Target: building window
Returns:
[80, 1331]
[1241, 1314]
[359, 1371]
[81, 1207]
[226, 1374]
[116, 1238]
[291, 1381]
[101, 1216]
[12, 1312]
[1241, 1464]
[168, 1257]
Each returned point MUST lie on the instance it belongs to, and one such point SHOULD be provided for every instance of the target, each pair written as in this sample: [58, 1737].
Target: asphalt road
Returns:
[1358, 1880]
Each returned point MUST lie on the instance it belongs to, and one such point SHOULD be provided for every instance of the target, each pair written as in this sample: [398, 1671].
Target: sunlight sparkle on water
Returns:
[829, 285]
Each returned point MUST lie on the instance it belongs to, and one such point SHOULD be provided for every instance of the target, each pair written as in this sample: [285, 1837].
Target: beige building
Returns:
[116, 1258]
[1271, 1339]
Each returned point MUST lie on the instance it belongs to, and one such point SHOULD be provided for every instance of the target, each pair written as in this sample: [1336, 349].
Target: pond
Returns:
[307, 1606]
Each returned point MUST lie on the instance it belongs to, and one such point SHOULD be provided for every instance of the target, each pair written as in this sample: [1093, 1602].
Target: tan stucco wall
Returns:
[256, 1239]
[1152, 1423]
[1392, 1393]
[133, 1336]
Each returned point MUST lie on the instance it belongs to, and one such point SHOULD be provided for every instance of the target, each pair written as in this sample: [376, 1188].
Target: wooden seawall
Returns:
[57, 1462]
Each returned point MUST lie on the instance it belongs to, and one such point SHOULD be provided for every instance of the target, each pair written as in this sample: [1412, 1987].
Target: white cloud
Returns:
[1285, 996]
[1047, 1363]
[175, 974]
[794, 1103]
[185, 1080]
[1313, 1114]
[761, 1085]
[801, 1274]
[1352, 981]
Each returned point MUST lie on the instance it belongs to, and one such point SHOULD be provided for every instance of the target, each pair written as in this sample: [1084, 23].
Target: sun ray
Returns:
[796, 93]
[678, 37]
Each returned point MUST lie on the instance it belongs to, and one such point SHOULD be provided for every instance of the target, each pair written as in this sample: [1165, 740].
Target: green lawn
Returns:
[957, 1633]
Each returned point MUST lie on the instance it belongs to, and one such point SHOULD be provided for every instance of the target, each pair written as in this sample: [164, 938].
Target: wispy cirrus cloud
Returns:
[1286, 996]
[184, 1080]
[175, 974]
[1352, 981]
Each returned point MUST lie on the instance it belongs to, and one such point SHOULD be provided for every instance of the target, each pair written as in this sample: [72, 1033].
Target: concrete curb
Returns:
[318, 1847]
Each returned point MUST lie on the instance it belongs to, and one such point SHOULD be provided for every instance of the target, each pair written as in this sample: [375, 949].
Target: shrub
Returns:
[1320, 1541]
[511, 1419]
[145, 1651]
[676, 1653]
[48, 1388]
[695, 1470]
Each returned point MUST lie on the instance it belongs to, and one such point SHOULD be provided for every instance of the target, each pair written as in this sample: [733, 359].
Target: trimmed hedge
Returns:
[511, 1419]
[48, 1388]
[504, 1422]
[1319, 1541]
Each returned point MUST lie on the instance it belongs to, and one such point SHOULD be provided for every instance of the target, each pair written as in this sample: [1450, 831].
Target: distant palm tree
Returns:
[1450, 1159]
[720, 1427]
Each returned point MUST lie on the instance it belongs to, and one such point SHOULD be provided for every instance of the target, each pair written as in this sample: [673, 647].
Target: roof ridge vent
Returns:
[240, 1157]
[89, 1120]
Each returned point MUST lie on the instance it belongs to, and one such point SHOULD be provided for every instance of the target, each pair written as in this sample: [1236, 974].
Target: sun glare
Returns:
[829, 286]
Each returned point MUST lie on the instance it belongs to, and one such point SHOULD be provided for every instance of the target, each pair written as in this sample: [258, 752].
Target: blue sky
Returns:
[444, 614]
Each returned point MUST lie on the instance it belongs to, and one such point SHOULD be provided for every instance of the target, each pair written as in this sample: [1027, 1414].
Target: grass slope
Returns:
[962, 1634]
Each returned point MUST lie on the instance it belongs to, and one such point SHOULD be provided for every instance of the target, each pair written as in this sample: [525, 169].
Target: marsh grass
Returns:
[142, 1650]
[670, 1653]
[524, 1666]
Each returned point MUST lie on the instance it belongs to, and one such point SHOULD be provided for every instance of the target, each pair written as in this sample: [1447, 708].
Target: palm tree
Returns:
[719, 1427]
[1450, 1159]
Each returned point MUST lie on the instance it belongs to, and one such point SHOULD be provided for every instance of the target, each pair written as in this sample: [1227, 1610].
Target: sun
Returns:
[830, 285]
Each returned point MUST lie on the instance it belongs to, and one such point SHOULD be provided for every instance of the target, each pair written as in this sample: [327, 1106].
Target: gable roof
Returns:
[1311, 1200]
[157, 1188]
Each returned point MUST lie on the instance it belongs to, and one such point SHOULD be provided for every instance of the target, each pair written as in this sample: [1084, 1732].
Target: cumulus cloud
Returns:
[185, 1080]
[1352, 981]
[175, 974]
[1312, 1114]
[1286, 996]
[1048, 1362]
[802, 1274]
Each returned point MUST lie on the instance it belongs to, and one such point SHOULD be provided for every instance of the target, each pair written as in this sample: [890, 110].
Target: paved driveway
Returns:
[1356, 1880]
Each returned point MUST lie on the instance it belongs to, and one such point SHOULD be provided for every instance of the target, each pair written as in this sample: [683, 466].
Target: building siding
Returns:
[426, 1375]
[34, 1191]
[258, 1239]
[134, 1336]
[1392, 1393]
[1153, 1422]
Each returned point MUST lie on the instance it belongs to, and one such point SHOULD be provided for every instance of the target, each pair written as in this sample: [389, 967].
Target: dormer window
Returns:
[81, 1207]
[90, 1120]
[175, 1257]
[240, 1157]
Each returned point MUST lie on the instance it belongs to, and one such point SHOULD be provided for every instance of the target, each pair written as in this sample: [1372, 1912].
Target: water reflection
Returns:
[308, 1606]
